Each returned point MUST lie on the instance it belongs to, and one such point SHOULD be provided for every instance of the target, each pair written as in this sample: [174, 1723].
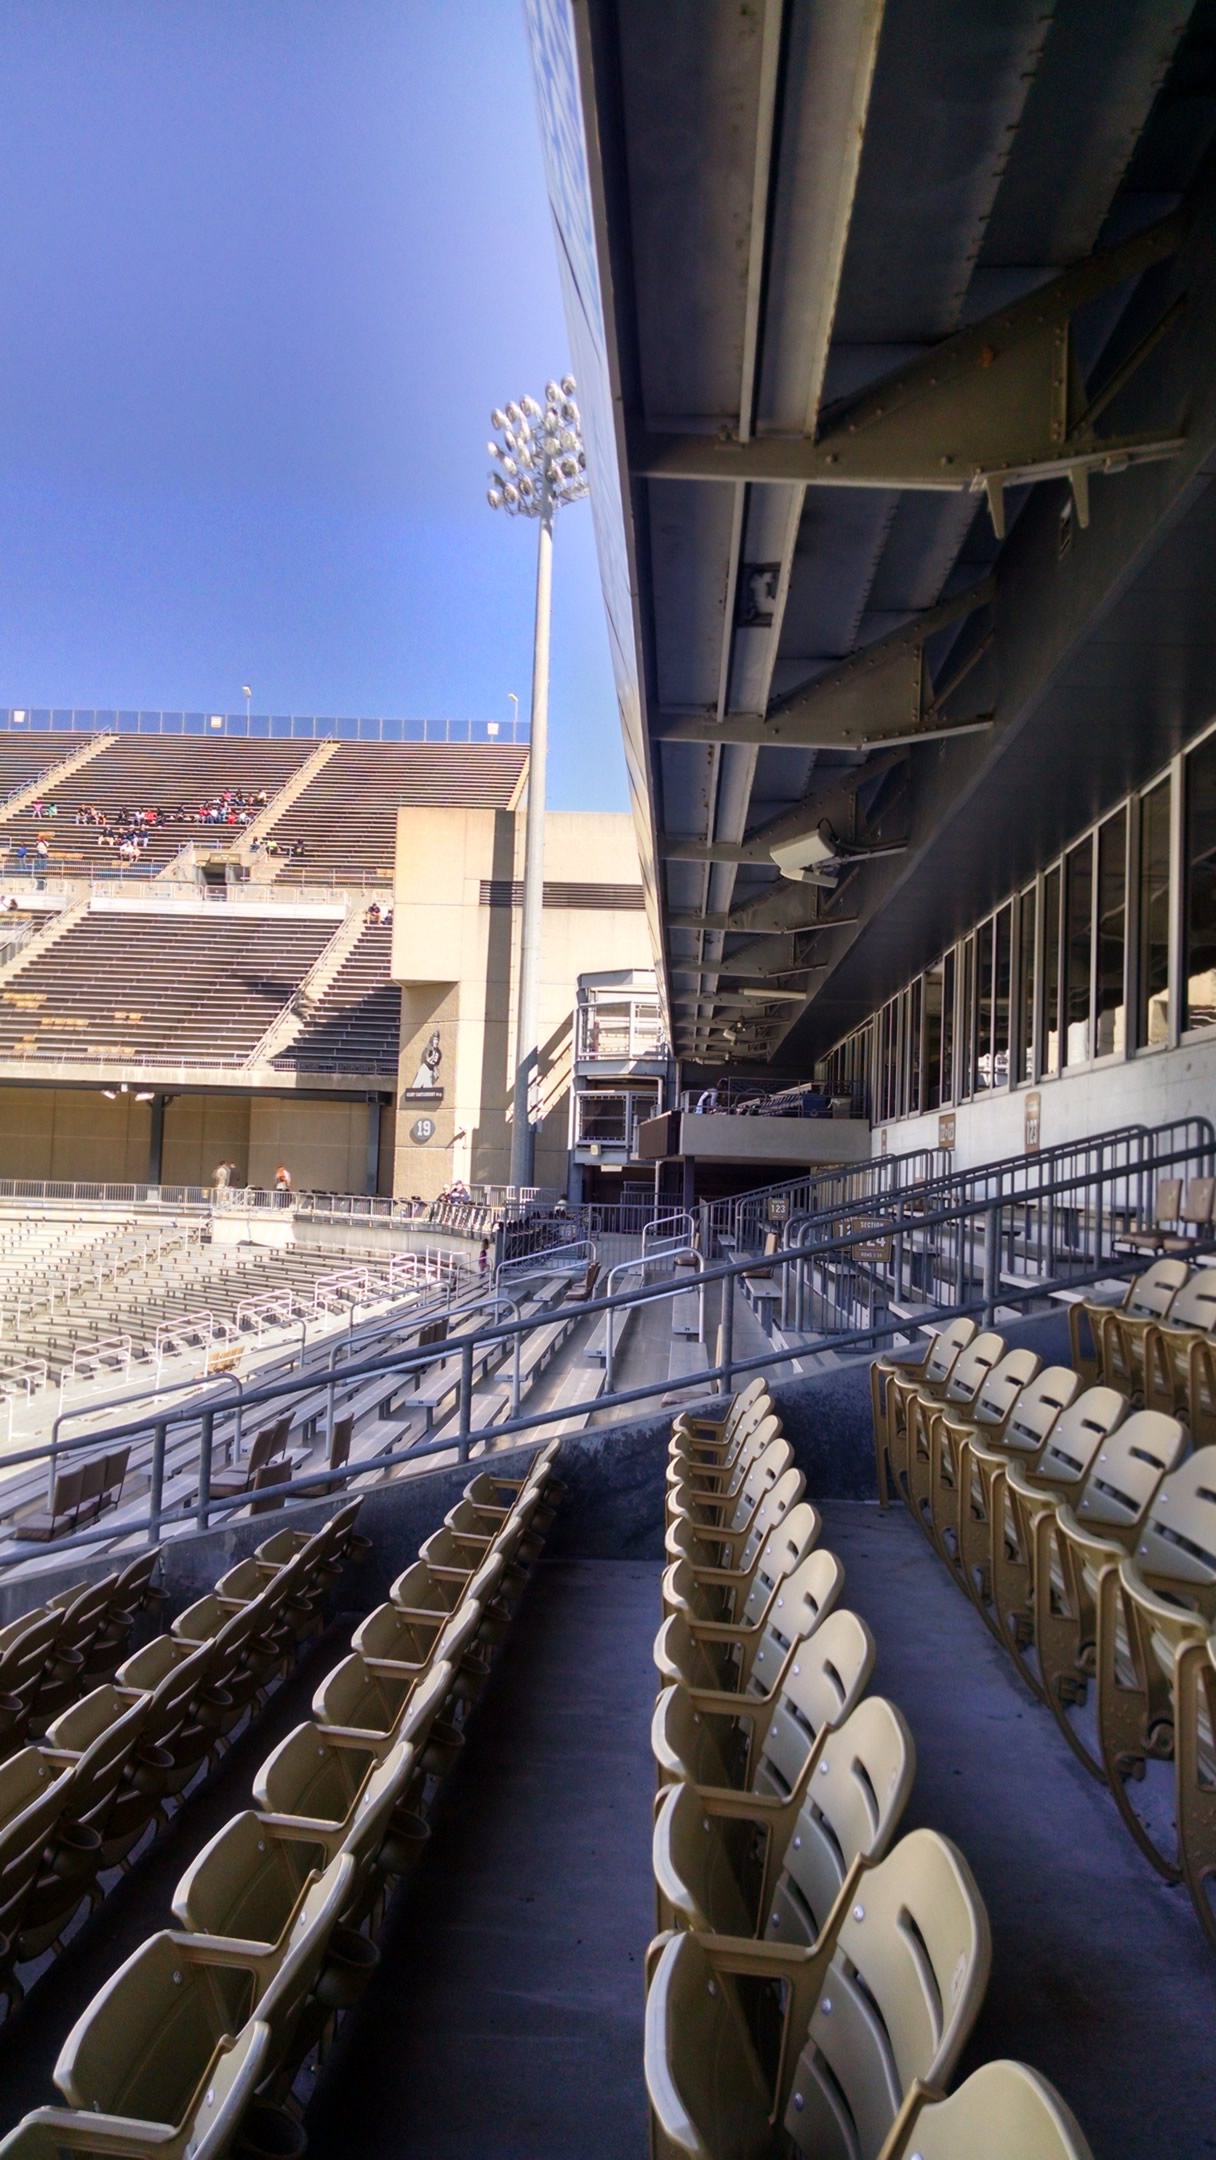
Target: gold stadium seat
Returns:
[1118, 1330]
[908, 1446]
[887, 1998]
[313, 1788]
[1180, 1358]
[718, 1433]
[787, 1543]
[96, 1745]
[723, 1484]
[1195, 1781]
[146, 2045]
[948, 1427]
[1023, 1493]
[716, 1655]
[360, 1705]
[206, 2130]
[1158, 1606]
[27, 1649]
[982, 1460]
[685, 1539]
[763, 1745]
[1003, 2110]
[692, 1444]
[892, 1378]
[789, 1889]
[1078, 1543]
[33, 1795]
[725, 1528]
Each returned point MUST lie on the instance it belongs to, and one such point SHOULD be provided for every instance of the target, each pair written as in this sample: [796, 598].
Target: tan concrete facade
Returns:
[76, 1134]
[457, 961]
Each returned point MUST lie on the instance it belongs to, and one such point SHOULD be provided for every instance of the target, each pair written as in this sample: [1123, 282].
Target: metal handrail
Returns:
[984, 1301]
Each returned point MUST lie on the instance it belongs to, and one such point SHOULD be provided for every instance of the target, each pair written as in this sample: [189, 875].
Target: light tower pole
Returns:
[540, 465]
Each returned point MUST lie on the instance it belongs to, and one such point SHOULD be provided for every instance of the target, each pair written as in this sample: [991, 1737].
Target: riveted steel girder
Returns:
[999, 403]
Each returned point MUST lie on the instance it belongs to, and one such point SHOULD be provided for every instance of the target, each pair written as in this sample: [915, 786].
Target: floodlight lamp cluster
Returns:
[539, 459]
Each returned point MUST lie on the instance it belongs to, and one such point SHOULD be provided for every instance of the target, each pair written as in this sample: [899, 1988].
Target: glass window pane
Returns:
[914, 1004]
[1199, 983]
[1154, 1016]
[1000, 1002]
[933, 1036]
[947, 1094]
[1026, 941]
[1051, 971]
[967, 1021]
[982, 1071]
[1078, 933]
[1112, 932]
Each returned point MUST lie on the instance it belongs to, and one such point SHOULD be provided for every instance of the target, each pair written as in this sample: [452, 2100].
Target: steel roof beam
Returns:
[997, 404]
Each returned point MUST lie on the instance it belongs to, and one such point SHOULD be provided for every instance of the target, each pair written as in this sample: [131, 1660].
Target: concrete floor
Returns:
[506, 2017]
[1101, 1976]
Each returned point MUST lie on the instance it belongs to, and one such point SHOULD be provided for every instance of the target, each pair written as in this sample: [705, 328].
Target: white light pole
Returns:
[247, 694]
[540, 465]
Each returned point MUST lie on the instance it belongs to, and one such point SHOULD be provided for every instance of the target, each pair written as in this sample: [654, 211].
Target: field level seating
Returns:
[196, 2043]
[815, 1975]
[1080, 1521]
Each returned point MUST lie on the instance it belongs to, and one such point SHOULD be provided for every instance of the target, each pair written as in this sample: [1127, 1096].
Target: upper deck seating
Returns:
[357, 1020]
[345, 820]
[172, 987]
[166, 773]
[24, 757]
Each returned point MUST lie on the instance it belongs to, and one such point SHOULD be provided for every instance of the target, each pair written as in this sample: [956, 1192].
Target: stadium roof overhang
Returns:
[907, 312]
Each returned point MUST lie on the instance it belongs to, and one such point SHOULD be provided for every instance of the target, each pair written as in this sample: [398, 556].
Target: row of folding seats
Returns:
[201, 2035]
[813, 1981]
[1083, 1530]
[1158, 1346]
[53, 1654]
[75, 1806]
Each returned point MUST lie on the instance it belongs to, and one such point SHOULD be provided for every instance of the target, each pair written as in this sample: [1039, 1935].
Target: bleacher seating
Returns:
[345, 820]
[146, 772]
[1082, 1526]
[23, 758]
[814, 1981]
[199, 2038]
[356, 1023]
[133, 984]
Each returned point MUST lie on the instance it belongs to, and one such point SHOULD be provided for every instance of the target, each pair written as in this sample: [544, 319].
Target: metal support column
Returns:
[523, 1151]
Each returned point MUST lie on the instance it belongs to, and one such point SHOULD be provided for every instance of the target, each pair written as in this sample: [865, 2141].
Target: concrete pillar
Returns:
[374, 1111]
[156, 1139]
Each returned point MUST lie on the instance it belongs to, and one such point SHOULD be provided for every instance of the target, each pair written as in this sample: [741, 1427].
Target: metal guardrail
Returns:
[984, 1293]
[267, 727]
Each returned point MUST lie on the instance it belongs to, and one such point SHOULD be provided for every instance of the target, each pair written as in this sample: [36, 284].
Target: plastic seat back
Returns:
[1177, 1541]
[944, 1350]
[244, 1883]
[972, 1367]
[104, 1729]
[782, 1549]
[819, 1688]
[1152, 1294]
[687, 1745]
[148, 2038]
[999, 1390]
[1127, 1470]
[207, 2133]
[708, 2094]
[773, 1508]
[1038, 1406]
[802, 1603]
[901, 1995]
[1195, 1305]
[1078, 1433]
[1003, 2110]
[22, 1666]
[32, 1798]
[307, 1776]
[852, 1809]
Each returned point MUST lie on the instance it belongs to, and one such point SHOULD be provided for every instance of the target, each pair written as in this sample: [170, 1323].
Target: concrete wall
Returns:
[1150, 1089]
[457, 962]
[323, 1144]
[72, 1134]
[760, 1140]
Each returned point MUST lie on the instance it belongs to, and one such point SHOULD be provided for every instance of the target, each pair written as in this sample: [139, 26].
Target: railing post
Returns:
[466, 1398]
[206, 1436]
[727, 1332]
[992, 1261]
[156, 1489]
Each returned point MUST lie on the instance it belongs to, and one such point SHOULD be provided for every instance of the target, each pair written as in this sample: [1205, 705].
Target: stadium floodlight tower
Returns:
[539, 466]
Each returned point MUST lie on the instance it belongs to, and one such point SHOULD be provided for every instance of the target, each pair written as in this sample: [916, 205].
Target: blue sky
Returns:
[266, 266]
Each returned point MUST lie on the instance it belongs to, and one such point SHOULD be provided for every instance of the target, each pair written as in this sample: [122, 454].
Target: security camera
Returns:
[812, 858]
